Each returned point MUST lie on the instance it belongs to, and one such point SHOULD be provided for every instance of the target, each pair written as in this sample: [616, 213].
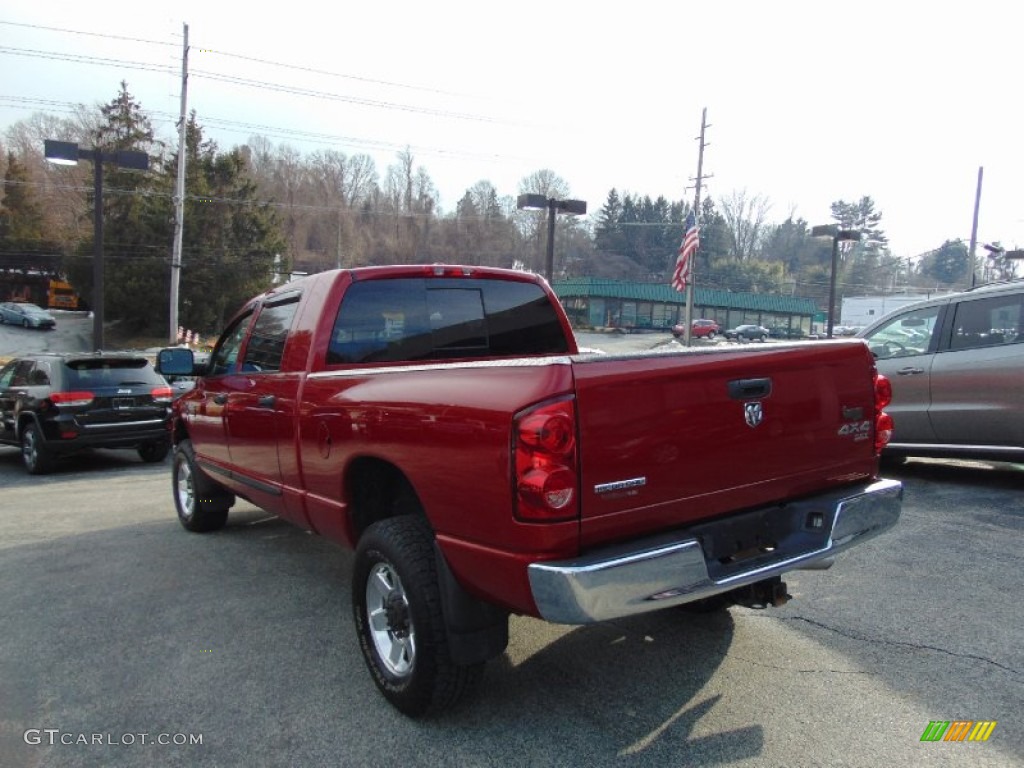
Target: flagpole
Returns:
[691, 287]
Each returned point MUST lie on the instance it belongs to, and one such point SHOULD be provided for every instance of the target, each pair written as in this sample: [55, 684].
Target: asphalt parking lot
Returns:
[122, 629]
[126, 641]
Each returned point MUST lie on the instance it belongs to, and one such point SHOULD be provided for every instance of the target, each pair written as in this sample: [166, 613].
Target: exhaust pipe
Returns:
[771, 592]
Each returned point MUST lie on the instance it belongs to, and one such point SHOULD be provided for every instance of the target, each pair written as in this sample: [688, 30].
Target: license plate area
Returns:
[121, 403]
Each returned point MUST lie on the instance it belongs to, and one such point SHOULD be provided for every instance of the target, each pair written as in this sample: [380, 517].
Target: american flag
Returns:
[684, 263]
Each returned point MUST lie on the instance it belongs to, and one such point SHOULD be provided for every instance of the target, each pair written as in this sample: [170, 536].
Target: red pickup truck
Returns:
[441, 421]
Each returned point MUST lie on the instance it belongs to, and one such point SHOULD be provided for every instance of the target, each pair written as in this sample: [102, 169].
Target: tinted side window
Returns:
[987, 322]
[226, 353]
[21, 371]
[266, 343]
[40, 375]
[417, 319]
[7, 374]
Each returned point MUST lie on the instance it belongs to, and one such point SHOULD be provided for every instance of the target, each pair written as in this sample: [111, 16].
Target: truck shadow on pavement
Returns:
[246, 636]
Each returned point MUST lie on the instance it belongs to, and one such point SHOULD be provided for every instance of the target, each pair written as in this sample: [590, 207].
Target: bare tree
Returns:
[745, 217]
[532, 224]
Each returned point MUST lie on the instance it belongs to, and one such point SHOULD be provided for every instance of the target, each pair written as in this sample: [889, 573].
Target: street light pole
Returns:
[97, 247]
[539, 202]
[549, 263]
[69, 153]
[832, 285]
[837, 234]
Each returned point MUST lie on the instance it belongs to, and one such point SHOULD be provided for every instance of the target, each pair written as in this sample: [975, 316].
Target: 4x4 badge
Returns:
[753, 413]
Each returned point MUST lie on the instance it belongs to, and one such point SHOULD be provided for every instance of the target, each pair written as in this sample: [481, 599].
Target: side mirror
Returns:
[175, 361]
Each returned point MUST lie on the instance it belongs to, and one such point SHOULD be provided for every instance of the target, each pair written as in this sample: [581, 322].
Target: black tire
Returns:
[35, 454]
[396, 605]
[153, 453]
[711, 335]
[201, 503]
[25, 323]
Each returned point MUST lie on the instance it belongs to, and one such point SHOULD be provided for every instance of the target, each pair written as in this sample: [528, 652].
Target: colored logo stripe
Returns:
[958, 730]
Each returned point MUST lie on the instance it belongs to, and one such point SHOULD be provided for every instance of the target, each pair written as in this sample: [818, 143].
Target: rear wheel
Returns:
[396, 605]
[34, 453]
[202, 505]
[154, 453]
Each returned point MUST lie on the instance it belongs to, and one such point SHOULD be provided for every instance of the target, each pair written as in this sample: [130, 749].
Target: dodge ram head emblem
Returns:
[753, 413]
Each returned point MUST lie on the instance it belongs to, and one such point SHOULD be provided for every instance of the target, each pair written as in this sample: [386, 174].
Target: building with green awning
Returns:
[593, 302]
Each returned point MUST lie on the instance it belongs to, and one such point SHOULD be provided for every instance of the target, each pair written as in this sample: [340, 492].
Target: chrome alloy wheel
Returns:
[30, 448]
[184, 486]
[387, 608]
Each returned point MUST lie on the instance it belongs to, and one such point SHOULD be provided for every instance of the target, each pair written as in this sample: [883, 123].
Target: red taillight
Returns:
[162, 394]
[883, 421]
[546, 480]
[883, 392]
[883, 431]
[71, 398]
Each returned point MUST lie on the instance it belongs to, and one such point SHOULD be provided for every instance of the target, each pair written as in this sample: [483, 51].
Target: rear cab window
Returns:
[415, 319]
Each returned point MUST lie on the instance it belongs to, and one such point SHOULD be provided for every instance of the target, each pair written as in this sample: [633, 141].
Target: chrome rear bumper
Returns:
[673, 569]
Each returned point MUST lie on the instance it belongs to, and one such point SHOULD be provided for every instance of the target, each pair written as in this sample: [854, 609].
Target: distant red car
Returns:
[699, 329]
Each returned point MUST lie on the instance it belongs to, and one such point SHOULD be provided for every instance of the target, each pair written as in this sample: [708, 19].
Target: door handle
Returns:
[909, 371]
[749, 389]
[220, 399]
[267, 401]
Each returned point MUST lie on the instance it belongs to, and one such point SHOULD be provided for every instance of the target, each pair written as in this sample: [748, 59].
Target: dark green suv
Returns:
[52, 405]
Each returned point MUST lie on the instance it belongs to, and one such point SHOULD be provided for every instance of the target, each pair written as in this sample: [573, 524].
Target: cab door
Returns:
[260, 410]
[205, 407]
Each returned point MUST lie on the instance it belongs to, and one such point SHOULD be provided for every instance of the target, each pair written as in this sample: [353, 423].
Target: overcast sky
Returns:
[807, 102]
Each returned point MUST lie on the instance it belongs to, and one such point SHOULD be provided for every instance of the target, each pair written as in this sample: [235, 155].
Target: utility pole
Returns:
[974, 227]
[179, 194]
[696, 217]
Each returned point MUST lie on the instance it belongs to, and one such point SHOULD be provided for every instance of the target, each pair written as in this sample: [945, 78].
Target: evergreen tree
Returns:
[607, 235]
[949, 264]
[231, 243]
[22, 225]
[137, 221]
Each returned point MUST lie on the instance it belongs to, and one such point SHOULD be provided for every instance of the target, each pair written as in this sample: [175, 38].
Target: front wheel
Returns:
[396, 606]
[202, 505]
[711, 335]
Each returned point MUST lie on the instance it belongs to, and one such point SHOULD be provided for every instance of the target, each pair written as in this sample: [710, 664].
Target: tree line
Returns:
[258, 211]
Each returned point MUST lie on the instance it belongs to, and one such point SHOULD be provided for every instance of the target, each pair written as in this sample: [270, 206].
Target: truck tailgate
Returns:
[671, 439]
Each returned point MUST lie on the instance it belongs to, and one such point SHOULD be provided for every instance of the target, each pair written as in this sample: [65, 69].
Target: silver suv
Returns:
[956, 364]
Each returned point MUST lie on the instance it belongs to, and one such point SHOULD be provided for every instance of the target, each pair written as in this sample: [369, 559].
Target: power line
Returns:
[106, 35]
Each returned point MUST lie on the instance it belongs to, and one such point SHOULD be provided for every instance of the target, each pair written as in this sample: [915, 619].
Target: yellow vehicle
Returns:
[61, 295]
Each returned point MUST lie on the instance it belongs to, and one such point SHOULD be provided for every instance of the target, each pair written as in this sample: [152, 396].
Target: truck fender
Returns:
[477, 630]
